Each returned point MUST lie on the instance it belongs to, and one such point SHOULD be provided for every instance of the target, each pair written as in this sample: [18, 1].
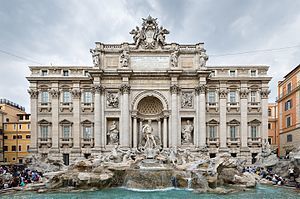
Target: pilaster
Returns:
[34, 128]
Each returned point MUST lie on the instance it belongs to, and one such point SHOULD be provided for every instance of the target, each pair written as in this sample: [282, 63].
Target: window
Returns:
[289, 138]
[212, 132]
[26, 117]
[44, 72]
[253, 131]
[5, 126]
[66, 97]
[20, 126]
[65, 73]
[20, 117]
[288, 105]
[269, 112]
[253, 96]
[20, 148]
[269, 125]
[66, 131]
[87, 97]
[27, 136]
[232, 73]
[5, 137]
[15, 126]
[28, 126]
[289, 87]
[7, 119]
[44, 97]
[211, 97]
[253, 73]
[270, 140]
[19, 136]
[66, 159]
[232, 97]
[233, 132]
[288, 121]
[27, 147]
[5, 148]
[14, 137]
[87, 132]
[13, 148]
[44, 132]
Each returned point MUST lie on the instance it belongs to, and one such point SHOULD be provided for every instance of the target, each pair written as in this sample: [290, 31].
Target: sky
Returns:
[61, 32]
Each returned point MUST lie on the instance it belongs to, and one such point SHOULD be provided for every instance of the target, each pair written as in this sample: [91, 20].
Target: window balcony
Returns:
[233, 142]
[212, 142]
[44, 142]
[87, 142]
[254, 141]
[253, 106]
[44, 106]
[87, 107]
[66, 142]
[233, 105]
[212, 106]
[66, 106]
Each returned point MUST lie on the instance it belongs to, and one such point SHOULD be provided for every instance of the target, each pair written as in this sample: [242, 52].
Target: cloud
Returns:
[62, 32]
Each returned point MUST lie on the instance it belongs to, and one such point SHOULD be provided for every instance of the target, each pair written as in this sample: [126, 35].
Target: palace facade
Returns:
[149, 86]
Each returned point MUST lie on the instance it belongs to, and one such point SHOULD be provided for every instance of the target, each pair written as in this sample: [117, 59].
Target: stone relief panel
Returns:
[187, 100]
[112, 100]
[112, 131]
[187, 131]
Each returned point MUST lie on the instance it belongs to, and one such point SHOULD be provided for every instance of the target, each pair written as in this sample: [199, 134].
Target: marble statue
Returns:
[174, 59]
[187, 132]
[95, 56]
[202, 60]
[124, 59]
[138, 35]
[112, 100]
[160, 37]
[150, 140]
[113, 133]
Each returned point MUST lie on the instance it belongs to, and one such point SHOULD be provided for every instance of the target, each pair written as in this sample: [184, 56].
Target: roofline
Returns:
[296, 68]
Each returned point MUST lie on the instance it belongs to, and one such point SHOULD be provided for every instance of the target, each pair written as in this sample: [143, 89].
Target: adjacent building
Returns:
[273, 132]
[166, 87]
[289, 111]
[1, 135]
[16, 132]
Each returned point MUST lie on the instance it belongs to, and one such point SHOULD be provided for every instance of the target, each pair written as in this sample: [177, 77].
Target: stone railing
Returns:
[66, 106]
[212, 142]
[254, 105]
[87, 107]
[44, 106]
[87, 142]
[233, 142]
[212, 106]
[66, 141]
[44, 142]
[233, 105]
[254, 141]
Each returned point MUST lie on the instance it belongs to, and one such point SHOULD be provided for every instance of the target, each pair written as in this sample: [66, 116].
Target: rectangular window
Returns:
[253, 73]
[66, 97]
[253, 96]
[14, 137]
[13, 148]
[232, 73]
[20, 117]
[211, 97]
[289, 88]
[87, 97]
[269, 112]
[26, 117]
[20, 126]
[5, 137]
[87, 132]
[5, 148]
[212, 132]
[28, 126]
[65, 73]
[44, 132]
[20, 148]
[289, 138]
[269, 125]
[288, 121]
[288, 105]
[27, 136]
[44, 72]
[253, 131]
[44, 97]
[19, 136]
[66, 132]
[232, 97]
[233, 132]
[15, 126]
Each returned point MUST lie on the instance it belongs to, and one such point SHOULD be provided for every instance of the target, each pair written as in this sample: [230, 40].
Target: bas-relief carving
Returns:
[149, 36]
[187, 100]
[113, 133]
[265, 93]
[33, 93]
[54, 93]
[112, 100]
[174, 59]
[186, 133]
[124, 59]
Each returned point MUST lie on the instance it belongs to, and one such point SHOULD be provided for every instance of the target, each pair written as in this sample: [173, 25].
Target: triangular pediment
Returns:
[233, 122]
[213, 122]
[45, 122]
[65, 122]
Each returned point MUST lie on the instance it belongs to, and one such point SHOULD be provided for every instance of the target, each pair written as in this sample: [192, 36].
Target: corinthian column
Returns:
[201, 114]
[97, 89]
[223, 126]
[34, 129]
[55, 109]
[244, 119]
[76, 118]
[264, 114]
[125, 116]
[173, 134]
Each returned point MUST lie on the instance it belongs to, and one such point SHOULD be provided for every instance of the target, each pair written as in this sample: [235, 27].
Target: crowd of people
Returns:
[276, 179]
[17, 176]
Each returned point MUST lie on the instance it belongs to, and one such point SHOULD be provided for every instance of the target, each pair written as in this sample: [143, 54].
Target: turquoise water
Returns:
[261, 192]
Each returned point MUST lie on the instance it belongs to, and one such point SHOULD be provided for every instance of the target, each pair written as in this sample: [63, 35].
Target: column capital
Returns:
[54, 93]
[125, 88]
[34, 93]
[223, 93]
[265, 93]
[98, 88]
[76, 93]
[175, 89]
[134, 114]
[244, 93]
[201, 89]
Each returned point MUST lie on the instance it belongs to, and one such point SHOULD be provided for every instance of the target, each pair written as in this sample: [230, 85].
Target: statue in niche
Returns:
[112, 100]
[174, 59]
[187, 100]
[148, 136]
[187, 133]
[202, 60]
[124, 59]
[113, 133]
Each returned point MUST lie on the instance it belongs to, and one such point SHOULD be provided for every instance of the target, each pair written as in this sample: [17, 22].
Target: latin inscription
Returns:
[146, 62]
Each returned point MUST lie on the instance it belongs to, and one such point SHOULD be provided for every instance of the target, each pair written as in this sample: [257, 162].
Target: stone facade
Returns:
[78, 111]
